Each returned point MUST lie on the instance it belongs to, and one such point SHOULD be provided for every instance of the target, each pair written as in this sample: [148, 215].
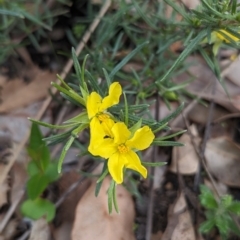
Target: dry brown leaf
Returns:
[201, 87]
[222, 156]
[92, 220]
[179, 224]
[66, 211]
[234, 72]
[40, 230]
[16, 93]
[17, 123]
[199, 112]
[185, 159]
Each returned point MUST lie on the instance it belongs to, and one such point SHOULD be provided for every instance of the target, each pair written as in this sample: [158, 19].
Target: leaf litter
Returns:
[221, 153]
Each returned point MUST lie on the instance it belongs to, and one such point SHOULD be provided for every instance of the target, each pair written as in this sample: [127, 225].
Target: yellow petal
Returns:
[114, 94]
[141, 139]
[106, 123]
[97, 135]
[135, 163]
[93, 104]
[106, 149]
[115, 166]
[220, 36]
[120, 133]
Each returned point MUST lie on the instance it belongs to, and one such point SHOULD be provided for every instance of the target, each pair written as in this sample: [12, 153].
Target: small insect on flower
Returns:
[120, 149]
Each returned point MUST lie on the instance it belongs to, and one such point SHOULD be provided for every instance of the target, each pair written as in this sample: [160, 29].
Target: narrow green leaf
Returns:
[135, 127]
[34, 19]
[85, 94]
[58, 137]
[167, 143]
[234, 7]
[100, 180]
[170, 136]
[160, 127]
[103, 175]
[10, 13]
[172, 115]
[117, 45]
[154, 164]
[53, 126]
[126, 59]
[63, 82]
[107, 77]
[71, 100]
[214, 11]
[110, 197]
[77, 97]
[71, 93]
[131, 108]
[79, 129]
[178, 9]
[94, 83]
[144, 15]
[98, 188]
[115, 198]
[83, 72]
[64, 152]
[207, 58]
[204, 16]
[193, 43]
[77, 67]
[81, 118]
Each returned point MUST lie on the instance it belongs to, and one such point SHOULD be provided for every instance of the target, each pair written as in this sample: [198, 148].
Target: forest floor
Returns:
[164, 206]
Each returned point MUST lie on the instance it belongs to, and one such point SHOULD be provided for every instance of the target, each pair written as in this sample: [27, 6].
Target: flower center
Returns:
[102, 117]
[122, 148]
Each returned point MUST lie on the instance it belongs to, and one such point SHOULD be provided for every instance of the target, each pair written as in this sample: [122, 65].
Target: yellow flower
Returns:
[119, 148]
[217, 39]
[100, 120]
[97, 105]
[222, 38]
